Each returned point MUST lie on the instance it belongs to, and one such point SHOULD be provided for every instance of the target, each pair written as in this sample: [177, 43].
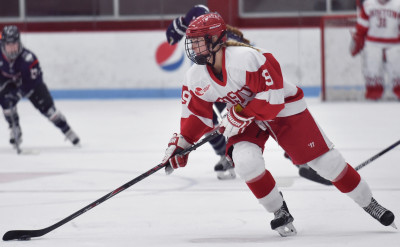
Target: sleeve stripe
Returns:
[192, 129]
[33, 64]
[262, 109]
[362, 22]
[272, 96]
[186, 113]
[293, 108]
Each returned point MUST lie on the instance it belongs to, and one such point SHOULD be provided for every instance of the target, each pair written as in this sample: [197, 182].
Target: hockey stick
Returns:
[219, 115]
[28, 234]
[313, 176]
[377, 155]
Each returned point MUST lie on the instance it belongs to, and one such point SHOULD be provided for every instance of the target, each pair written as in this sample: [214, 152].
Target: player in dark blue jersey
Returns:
[21, 76]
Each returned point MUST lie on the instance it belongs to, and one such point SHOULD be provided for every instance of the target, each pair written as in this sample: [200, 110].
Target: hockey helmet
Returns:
[199, 43]
[11, 35]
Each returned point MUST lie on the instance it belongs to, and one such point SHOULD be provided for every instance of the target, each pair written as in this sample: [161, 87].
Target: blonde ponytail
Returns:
[237, 32]
[236, 43]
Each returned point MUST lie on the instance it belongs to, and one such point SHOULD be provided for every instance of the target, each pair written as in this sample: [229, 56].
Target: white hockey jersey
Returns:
[380, 20]
[251, 78]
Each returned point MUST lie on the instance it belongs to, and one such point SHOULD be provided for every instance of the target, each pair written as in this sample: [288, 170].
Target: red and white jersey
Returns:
[380, 20]
[251, 78]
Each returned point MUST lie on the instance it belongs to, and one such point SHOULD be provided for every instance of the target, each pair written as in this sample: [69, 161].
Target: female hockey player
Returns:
[224, 168]
[175, 32]
[260, 103]
[21, 76]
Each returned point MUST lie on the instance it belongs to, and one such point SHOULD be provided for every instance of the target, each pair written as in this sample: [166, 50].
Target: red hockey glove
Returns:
[357, 43]
[176, 144]
[234, 123]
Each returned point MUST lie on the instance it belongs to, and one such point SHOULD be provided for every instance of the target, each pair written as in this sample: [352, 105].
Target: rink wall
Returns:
[140, 64]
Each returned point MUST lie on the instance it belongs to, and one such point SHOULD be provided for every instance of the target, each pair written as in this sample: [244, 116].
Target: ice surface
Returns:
[122, 139]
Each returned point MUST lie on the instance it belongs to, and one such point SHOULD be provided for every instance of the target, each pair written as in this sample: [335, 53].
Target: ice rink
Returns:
[121, 139]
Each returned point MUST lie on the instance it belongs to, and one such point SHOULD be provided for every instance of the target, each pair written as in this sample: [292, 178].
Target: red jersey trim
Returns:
[34, 63]
[384, 40]
[211, 73]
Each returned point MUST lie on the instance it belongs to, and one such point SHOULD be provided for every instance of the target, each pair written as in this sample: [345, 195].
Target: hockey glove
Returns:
[176, 30]
[12, 98]
[174, 161]
[10, 95]
[234, 123]
[357, 42]
[195, 12]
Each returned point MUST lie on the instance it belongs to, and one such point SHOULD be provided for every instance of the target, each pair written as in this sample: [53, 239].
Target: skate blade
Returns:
[25, 151]
[226, 175]
[13, 142]
[286, 230]
[78, 145]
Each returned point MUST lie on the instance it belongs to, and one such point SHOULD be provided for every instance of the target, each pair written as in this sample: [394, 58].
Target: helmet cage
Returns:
[11, 35]
[200, 34]
[204, 47]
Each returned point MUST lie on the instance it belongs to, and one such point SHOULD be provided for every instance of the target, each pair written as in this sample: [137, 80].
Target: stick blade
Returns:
[21, 234]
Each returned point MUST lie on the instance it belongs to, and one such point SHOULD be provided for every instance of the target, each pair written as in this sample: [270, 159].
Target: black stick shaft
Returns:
[27, 234]
[377, 155]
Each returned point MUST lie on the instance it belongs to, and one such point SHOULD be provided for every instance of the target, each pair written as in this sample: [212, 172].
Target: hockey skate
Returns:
[384, 216]
[71, 135]
[15, 135]
[224, 169]
[283, 222]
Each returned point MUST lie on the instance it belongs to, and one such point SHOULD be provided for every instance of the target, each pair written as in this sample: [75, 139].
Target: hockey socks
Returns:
[347, 180]
[262, 185]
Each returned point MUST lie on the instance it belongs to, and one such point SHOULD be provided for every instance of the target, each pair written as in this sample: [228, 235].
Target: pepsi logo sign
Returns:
[169, 57]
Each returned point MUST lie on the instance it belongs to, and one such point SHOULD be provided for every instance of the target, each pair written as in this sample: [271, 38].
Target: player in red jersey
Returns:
[174, 33]
[378, 36]
[224, 168]
[260, 103]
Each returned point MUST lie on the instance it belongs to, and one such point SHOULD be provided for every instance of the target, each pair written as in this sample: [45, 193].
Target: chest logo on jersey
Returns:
[201, 91]
[242, 96]
[268, 78]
